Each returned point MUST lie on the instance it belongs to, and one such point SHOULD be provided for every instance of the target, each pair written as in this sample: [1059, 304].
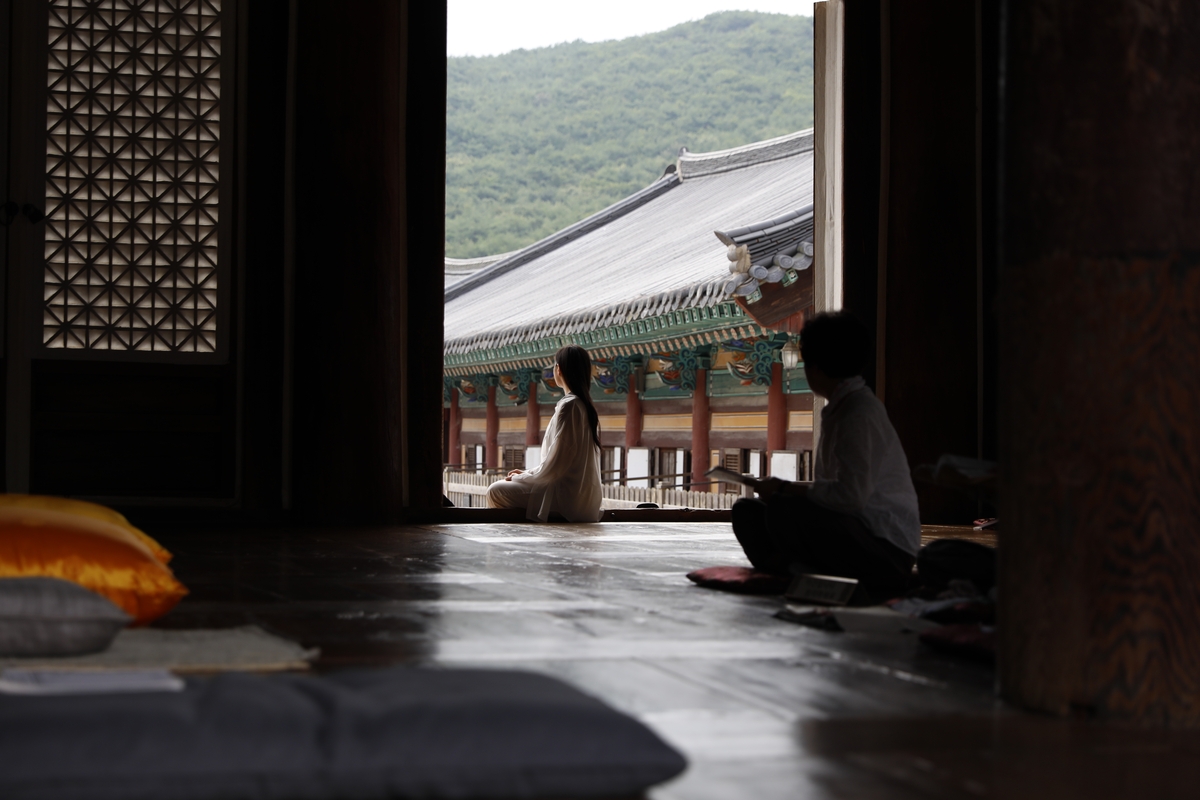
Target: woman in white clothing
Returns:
[567, 482]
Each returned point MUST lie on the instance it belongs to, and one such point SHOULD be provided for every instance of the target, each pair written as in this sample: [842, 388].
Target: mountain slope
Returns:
[538, 139]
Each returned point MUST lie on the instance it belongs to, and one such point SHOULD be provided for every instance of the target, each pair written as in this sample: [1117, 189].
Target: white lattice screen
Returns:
[132, 163]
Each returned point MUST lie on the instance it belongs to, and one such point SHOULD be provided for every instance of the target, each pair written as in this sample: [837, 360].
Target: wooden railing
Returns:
[467, 490]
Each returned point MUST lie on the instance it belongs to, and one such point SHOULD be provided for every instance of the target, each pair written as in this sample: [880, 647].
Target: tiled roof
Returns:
[647, 255]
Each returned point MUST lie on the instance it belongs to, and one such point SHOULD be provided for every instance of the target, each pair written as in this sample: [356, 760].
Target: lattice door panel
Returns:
[132, 176]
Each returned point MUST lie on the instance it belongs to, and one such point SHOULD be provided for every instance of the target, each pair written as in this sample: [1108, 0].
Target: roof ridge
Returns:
[739, 235]
[477, 261]
[562, 237]
[694, 165]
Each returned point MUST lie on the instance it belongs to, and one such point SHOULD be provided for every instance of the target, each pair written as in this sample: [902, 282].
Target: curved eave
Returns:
[695, 297]
[779, 235]
[685, 327]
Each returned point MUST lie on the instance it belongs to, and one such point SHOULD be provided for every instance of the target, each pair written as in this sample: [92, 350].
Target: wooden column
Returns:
[777, 415]
[633, 416]
[369, 141]
[491, 454]
[533, 418]
[1100, 362]
[701, 420]
[454, 457]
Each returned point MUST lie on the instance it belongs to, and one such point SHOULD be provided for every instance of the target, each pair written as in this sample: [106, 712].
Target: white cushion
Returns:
[52, 617]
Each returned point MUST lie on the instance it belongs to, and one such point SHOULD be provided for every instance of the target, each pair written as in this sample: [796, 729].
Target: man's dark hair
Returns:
[836, 343]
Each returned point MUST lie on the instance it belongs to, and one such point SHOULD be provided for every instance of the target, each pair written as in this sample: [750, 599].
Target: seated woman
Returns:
[567, 481]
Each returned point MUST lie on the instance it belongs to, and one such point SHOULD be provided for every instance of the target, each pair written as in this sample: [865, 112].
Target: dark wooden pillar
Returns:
[454, 457]
[777, 415]
[701, 420]
[1100, 361]
[924, 267]
[367, 136]
[491, 449]
[633, 415]
[533, 418]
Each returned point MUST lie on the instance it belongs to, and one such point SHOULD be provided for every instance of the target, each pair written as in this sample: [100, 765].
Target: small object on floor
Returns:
[820, 618]
[55, 682]
[741, 580]
[977, 642]
[828, 590]
[246, 649]
[985, 523]
[397, 732]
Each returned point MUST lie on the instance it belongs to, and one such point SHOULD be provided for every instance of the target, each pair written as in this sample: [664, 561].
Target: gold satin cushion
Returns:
[98, 555]
[83, 508]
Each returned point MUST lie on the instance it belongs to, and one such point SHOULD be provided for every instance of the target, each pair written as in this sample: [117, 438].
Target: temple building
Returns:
[687, 294]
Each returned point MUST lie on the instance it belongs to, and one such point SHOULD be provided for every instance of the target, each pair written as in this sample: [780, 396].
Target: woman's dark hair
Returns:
[576, 367]
[836, 343]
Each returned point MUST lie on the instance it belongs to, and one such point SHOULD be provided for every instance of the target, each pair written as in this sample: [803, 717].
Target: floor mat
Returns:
[244, 649]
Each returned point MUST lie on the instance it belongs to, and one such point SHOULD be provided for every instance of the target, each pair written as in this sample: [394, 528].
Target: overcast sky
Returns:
[491, 27]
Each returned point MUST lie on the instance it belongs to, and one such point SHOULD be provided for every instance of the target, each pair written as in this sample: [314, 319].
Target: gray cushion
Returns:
[53, 617]
[366, 734]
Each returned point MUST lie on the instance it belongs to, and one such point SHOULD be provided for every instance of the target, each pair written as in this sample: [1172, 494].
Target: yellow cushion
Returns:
[84, 509]
[98, 555]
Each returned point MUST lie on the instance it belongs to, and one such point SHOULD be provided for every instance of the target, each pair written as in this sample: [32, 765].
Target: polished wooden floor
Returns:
[763, 709]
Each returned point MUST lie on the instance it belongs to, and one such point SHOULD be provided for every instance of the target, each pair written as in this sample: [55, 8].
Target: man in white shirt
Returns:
[859, 517]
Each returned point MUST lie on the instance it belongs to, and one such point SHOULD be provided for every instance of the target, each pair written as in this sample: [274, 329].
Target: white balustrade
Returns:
[466, 490]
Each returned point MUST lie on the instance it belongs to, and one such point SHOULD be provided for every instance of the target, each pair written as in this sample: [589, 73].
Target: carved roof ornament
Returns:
[769, 266]
[746, 277]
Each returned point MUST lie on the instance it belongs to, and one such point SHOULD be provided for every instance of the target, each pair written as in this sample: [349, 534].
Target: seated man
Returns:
[858, 518]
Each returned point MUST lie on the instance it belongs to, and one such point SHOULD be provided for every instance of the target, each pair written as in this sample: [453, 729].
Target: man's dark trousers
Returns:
[787, 529]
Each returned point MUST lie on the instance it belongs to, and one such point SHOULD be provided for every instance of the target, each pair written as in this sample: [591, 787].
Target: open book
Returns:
[729, 476]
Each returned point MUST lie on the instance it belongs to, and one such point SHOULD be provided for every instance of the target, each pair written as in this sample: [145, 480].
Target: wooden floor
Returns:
[763, 709]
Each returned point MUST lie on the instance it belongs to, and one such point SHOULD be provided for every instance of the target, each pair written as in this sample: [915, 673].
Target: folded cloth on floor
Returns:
[947, 610]
[743, 580]
[247, 648]
[363, 734]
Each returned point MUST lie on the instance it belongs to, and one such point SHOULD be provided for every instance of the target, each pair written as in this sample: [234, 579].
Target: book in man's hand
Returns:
[729, 476]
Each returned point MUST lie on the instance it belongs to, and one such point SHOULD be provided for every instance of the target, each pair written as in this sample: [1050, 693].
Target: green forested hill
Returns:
[538, 139]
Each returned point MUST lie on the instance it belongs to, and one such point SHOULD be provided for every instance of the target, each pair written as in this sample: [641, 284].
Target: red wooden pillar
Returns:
[700, 425]
[454, 457]
[777, 416]
[633, 415]
[491, 455]
[533, 418]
